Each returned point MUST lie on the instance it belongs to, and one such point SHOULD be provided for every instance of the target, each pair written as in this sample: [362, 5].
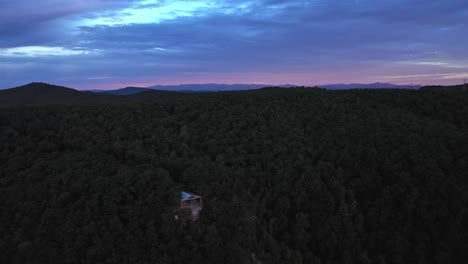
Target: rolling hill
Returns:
[191, 88]
[376, 85]
[42, 93]
[47, 94]
[125, 91]
[203, 88]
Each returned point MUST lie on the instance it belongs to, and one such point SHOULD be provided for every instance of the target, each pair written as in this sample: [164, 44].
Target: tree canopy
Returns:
[287, 176]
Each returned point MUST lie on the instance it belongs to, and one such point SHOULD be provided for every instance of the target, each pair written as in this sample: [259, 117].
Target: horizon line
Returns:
[149, 86]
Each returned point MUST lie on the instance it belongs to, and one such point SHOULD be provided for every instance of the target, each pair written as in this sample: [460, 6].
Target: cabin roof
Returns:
[187, 195]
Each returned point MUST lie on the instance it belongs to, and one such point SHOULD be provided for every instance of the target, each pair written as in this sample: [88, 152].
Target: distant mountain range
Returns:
[212, 87]
[38, 93]
[124, 91]
[191, 88]
[47, 94]
[376, 85]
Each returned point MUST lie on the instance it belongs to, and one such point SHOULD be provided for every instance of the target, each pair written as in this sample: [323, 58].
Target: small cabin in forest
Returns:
[193, 202]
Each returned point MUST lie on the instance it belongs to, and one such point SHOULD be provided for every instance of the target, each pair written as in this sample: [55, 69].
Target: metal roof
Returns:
[187, 195]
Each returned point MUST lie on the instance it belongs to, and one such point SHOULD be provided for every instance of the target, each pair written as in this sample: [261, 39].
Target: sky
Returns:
[108, 44]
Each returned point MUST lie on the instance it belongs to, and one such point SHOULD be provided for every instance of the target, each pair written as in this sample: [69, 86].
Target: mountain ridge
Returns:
[217, 87]
[34, 92]
[38, 93]
[191, 88]
[376, 85]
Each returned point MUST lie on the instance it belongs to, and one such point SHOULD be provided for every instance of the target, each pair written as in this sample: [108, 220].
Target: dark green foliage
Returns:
[461, 89]
[287, 176]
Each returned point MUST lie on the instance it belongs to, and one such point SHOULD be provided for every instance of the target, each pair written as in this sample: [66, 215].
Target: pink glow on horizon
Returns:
[148, 84]
[390, 73]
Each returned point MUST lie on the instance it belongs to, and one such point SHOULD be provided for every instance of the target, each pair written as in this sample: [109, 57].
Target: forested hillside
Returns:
[36, 94]
[461, 89]
[286, 175]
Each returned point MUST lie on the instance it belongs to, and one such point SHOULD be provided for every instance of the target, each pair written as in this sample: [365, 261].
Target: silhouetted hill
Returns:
[189, 88]
[43, 93]
[215, 87]
[47, 94]
[126, 91]
[36, 92]
[192, 88]
[137, 92]
[211, 87]
[376, 85]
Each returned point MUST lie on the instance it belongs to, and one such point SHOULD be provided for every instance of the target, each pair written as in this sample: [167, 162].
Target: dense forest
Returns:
[287, 176]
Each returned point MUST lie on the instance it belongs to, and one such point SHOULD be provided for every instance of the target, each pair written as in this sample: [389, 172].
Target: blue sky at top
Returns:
[115, 43]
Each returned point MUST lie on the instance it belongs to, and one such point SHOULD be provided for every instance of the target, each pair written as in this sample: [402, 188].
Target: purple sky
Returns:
[103, 44]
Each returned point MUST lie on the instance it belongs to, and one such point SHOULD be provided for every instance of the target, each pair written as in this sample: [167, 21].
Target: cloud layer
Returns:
[108, 44]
